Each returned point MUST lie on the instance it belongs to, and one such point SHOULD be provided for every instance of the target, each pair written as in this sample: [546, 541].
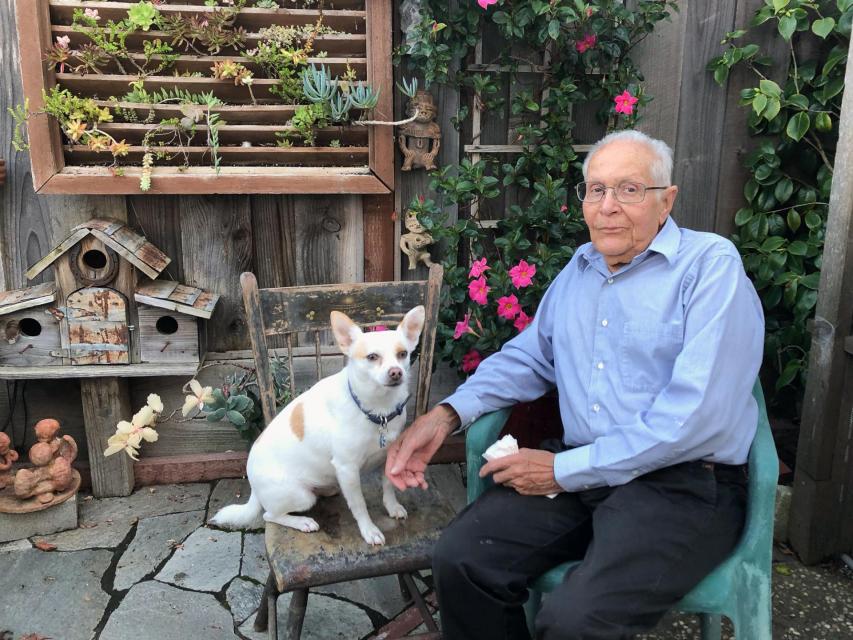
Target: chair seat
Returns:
[337, 552]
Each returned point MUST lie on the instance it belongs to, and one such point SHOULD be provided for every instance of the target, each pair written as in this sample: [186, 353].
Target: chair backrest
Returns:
[287, 311]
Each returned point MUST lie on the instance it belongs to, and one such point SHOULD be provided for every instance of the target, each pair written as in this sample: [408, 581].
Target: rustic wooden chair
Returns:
[337, 553]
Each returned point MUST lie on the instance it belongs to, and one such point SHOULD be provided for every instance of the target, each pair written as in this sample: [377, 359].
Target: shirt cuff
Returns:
[573, 472]
[466, 405]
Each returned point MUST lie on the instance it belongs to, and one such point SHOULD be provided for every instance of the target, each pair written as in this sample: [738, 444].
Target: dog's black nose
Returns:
[395, 374]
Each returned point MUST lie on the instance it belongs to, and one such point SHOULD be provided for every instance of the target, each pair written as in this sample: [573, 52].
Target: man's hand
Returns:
[530, 472]
[409, 454]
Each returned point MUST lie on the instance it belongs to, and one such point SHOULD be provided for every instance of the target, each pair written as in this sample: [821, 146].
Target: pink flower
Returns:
[625, 103]
[508, 307]
[379, 327]
[478, 268]
[522, 274]
[92, 13]
[478, 290]
[587, 42]
[462, 327]
[471, 360]
[522, 321]
[63, 42]
[484, 4]
[563, 209]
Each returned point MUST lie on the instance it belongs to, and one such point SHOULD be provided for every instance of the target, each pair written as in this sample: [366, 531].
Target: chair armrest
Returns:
[479, 437]
[763, 477]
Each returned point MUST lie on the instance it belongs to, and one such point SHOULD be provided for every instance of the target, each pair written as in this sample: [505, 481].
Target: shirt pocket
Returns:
[647, 353]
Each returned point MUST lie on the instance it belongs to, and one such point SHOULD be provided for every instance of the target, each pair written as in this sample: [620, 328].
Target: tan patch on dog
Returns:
[359, 350]
[400, 347]
[297, 421]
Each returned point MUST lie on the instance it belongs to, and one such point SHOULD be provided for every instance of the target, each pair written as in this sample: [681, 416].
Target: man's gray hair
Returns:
[661, 170]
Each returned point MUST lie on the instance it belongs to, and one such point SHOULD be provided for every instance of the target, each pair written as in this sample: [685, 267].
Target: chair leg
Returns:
[296, 613]
[267, 600]
[417, 598]
[404, 590]
[711, 625]
[752, 617]
[531, 608]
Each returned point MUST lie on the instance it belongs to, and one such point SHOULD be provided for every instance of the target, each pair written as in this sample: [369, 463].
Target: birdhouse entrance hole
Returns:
[167, 325]
[95, 259]
[29, 327]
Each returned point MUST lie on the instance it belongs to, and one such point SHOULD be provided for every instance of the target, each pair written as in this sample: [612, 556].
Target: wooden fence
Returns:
[303, 240]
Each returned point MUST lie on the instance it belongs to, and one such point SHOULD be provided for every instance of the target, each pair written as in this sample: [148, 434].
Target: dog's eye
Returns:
[372, 357]
[402, 354]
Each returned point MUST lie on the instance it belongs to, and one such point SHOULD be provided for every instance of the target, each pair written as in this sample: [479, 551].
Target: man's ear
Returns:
[412, 324]
[345, 330]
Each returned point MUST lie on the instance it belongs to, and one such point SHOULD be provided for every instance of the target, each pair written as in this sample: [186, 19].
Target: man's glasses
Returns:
[625, 192]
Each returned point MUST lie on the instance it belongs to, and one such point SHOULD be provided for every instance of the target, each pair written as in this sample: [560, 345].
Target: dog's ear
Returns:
[412, 324]
[346, 331]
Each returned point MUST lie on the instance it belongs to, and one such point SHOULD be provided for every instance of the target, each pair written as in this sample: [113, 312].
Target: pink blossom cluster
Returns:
[509, 307]
[625, 103]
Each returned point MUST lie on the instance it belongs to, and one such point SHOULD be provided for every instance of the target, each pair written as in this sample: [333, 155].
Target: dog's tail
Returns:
[239, 516]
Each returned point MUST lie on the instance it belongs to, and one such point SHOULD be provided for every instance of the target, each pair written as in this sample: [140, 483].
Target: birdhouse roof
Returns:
[168, 294]
[18, 299]
[117, 236]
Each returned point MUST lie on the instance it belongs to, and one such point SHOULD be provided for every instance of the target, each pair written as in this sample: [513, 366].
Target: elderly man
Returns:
[653, 337]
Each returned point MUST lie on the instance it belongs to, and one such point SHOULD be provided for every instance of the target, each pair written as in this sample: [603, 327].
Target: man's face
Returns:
[622, 231]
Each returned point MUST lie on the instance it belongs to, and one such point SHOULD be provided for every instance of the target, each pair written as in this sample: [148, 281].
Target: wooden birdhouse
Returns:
[105, 307]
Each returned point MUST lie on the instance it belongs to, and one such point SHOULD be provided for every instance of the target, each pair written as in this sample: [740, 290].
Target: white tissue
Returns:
[504, 447]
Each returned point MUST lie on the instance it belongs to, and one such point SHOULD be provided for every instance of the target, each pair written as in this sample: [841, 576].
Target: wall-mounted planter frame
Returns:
[364, 165]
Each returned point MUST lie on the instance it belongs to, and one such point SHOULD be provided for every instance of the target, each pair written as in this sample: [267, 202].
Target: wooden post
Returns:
[106, 401]
[379, 247]
[819, 502]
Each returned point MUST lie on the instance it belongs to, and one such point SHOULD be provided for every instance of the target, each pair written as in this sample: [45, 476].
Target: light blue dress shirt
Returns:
[654, 363]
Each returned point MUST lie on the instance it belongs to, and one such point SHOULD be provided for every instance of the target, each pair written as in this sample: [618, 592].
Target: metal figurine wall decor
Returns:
[420, 139]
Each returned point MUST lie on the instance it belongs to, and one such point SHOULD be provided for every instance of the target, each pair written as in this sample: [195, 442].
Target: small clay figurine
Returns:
[413, 243]
[52, 457]
[7, 456]
[415, 137]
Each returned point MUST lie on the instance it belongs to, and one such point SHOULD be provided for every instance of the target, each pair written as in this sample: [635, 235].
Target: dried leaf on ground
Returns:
[44, 546]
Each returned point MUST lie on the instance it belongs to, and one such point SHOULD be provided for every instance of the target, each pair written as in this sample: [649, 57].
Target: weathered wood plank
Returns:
[44, 372]
[106, 401]
[190, 468]
[379, 245]
[157, 288]
[698, 148]
[28, 296]
[174, 340]
[30, 337]
[149, 267]
[216, 239]
[56, 252]
[328, 239]
[158, 218]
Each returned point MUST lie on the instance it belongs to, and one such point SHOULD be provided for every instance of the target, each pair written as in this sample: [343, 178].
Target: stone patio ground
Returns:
[146, 567]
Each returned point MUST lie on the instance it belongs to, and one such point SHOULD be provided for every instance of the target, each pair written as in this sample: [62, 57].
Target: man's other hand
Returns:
[530, 472]
[409, 454]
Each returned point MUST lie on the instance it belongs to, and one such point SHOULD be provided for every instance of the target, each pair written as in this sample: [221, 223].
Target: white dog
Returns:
[324, 438]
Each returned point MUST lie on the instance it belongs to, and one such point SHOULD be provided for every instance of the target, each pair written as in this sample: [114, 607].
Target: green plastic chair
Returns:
[739, 588]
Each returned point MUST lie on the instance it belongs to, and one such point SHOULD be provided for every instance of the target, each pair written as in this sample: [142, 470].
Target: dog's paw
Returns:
[304, 523]
[396, 511]
[371, 534]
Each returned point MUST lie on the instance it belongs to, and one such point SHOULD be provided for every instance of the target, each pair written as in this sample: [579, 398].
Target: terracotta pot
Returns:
[532, 422]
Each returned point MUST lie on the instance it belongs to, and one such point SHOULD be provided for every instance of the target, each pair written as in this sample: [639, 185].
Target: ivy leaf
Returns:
[772, 244]
[787, 26]
[554, 29]
[807, 301]
[811, 281]
[784, 189]
[822, 28]
[798, 248]
[794, 220]
[770, 88]
[772, 110]
[798, 125]
[750, 189]
[813, 220]
[758, 103]
[743, 216]
[788, 375]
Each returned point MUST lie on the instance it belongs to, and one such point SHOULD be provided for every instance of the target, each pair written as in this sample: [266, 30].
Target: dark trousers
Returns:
[643, 546]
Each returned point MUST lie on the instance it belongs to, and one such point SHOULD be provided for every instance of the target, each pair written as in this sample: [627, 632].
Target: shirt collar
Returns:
[666, 243]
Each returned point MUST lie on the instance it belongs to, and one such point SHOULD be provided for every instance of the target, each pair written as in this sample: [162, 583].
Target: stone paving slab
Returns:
[153, 542]
[380, 594]
[325, 619]
[244, 597]
[105, 522]
[155, 611]
[207, 561]
[60, 517]
[254, 564]
[52, 594]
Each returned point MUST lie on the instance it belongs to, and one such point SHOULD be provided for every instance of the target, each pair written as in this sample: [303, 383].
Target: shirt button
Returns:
[586, 486]
[635, 473]
[604, 323]
[596, 407]
[609, 280]
[600, 365]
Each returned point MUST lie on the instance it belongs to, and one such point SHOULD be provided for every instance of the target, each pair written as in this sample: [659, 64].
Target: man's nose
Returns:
[609, 203]
[395, 373]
